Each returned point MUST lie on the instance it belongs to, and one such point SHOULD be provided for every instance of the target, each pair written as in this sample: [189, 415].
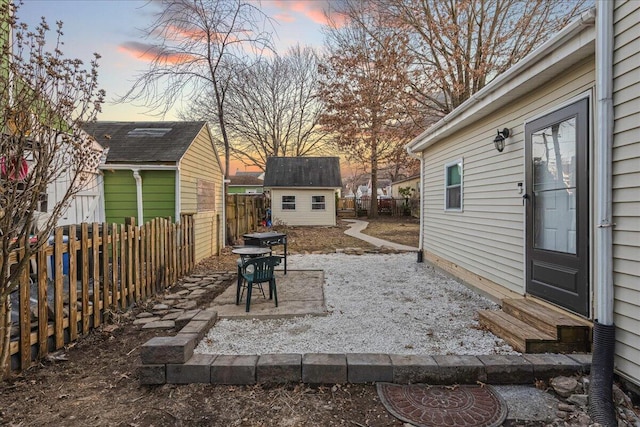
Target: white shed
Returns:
[303, 189]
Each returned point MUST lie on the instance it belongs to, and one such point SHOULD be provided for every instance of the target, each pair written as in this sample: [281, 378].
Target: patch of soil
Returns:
[299, 240]
[94, 381]
[404, 230]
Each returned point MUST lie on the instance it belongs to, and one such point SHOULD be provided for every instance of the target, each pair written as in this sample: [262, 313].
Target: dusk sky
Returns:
[109, 27]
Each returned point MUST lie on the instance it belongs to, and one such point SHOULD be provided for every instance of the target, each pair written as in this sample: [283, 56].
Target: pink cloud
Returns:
[284, 17]
[147, 53]
[312, 10]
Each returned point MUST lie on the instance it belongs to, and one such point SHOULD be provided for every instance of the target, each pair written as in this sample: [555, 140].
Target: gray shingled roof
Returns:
[144, 142]
[321, 172]
[245, 180]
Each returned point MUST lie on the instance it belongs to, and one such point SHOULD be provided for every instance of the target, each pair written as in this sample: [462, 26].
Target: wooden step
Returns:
[560, 325]
[521, 336]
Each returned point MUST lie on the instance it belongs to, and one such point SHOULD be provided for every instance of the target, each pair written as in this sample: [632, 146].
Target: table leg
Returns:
[285, 256]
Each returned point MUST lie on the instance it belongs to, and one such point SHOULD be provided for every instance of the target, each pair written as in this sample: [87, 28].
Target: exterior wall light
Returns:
[498, 141]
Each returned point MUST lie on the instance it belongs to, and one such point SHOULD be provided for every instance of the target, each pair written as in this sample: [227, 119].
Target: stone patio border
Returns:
[171, 360]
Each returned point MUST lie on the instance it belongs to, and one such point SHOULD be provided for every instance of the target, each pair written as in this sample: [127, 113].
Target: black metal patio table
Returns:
[268, 238]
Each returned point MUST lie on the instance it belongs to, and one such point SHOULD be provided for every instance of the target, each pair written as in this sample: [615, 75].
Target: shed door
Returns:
[557, 210]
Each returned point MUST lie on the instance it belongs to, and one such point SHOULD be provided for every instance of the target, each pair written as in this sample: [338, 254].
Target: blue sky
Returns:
[105, 26]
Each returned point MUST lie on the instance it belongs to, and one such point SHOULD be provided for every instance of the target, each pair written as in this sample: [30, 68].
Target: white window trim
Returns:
[459, 161]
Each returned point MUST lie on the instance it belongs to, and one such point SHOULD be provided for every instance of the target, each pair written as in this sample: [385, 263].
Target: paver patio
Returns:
[300, 293]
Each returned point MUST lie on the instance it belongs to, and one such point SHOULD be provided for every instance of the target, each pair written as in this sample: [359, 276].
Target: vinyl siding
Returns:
[303, 214]
[487, 237]
[626, 191]
[158, 194]
[119, 195]
[201, 162]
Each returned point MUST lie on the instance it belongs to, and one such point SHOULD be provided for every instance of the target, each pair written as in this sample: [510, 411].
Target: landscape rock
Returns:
[564, 386]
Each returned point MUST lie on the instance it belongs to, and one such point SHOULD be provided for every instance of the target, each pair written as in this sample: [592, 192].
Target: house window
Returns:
[453, 186]
[317, 203]
[288, 203]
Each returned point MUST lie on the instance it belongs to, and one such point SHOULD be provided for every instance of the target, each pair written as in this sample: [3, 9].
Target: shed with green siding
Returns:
[163, 169]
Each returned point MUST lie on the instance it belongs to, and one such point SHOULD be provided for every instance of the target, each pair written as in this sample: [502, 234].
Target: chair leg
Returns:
[239, 286]
[275, 290]
[249, 287]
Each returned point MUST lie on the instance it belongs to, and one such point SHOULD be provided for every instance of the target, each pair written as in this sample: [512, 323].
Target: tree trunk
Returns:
[5, 336]
[373, 209]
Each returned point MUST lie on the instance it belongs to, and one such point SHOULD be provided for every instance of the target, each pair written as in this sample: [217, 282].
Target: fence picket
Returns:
[85, 279]
[73, 290]
[43, 304]
[95, 246]
[25, 312]
[58, 290]
[114, 266]
[130, 284]
[123, 266]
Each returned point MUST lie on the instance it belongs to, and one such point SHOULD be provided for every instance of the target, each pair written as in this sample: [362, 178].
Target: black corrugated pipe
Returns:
[601, 407]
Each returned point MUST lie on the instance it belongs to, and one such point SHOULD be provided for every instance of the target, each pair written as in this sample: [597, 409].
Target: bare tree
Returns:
[196, 47]
[458, 46]
[273, 108]
[365, 92]
[45, 99]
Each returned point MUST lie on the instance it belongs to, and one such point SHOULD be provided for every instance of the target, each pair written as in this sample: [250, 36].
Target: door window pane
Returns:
[554, 187]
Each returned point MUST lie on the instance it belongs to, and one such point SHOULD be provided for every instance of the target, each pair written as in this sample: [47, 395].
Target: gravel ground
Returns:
[377, 304]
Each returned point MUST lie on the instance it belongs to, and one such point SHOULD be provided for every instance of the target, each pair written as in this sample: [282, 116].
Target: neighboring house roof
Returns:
[319, 172]
[246, 180]
[411, 178]
[144, 142]
[257, 174]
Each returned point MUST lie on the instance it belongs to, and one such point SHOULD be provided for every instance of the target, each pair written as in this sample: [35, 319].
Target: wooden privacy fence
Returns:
[350, 206]
[87, 271]
[245, 213]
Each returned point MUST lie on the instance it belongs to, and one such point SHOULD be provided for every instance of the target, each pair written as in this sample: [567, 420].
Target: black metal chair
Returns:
[256, 271]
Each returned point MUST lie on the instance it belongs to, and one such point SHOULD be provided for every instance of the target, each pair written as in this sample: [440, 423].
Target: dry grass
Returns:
[404, 230]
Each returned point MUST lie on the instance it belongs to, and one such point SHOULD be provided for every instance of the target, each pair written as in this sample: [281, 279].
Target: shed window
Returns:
[453, 186]
[288, 203]
[317, 203]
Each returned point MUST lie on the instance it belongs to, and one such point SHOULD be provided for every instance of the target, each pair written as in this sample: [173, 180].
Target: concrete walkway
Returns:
[355, 230]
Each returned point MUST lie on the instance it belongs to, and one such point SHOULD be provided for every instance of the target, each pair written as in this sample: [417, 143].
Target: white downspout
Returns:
[604, 140]
[178, 204]
[138, 178]
[601, 406]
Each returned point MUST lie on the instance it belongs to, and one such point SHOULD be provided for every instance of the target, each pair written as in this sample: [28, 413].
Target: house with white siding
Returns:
[303, 189]
[163, 169]
[552, 216]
